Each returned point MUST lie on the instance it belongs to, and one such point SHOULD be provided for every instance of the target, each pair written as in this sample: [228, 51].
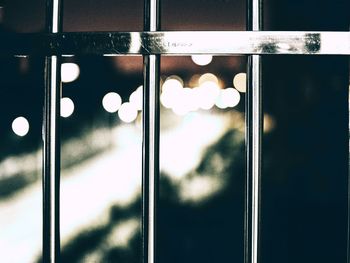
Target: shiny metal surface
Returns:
[150, 142]
[348, 214]
[254, 135]
[51, 145]
[253, 140]
[151, 15]
[150, 165]
[178, 43]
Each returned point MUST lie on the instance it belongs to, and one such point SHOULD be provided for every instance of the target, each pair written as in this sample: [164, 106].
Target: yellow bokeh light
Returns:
[240, 82]
[208, 77]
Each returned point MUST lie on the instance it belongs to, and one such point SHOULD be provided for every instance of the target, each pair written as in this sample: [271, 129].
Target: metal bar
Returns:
[253, 140]
[51, 144]
[150, 150]
[178, 43]
[253, 151]
[348, 212]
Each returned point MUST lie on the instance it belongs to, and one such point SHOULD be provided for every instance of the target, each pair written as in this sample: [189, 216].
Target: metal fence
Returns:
[152, 44]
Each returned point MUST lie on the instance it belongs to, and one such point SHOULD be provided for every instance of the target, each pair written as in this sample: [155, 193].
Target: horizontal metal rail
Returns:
[177, 43]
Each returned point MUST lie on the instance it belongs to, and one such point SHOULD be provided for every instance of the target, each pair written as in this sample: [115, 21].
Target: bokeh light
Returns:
[228, 98]
[240, 82]
[185, 102]
[171, 92]
[174, 77]
[136, 98]
[69, 72]
[269, 123]
[207, 94]
[111, 102]
[202, 60]
[67, 107]
[193, 82]
[20, 126]
[127, 112]
[208, 77]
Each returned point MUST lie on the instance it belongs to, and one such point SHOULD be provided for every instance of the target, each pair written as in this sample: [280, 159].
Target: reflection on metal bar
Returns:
[253, 140]
[51, 144]
[178, 43]
[348, 214]
[150, 143]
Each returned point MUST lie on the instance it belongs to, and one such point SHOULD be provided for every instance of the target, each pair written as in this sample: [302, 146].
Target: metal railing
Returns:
[150, 138]
[152, 43]
[253, 140]
[51, 143]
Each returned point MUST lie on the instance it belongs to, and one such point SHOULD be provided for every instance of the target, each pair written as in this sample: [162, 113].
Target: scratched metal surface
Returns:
[178, 43]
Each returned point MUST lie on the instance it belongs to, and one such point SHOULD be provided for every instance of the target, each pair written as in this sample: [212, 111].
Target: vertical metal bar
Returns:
[51, 142]
[150, 150]
[253, 139]
[348, 213]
